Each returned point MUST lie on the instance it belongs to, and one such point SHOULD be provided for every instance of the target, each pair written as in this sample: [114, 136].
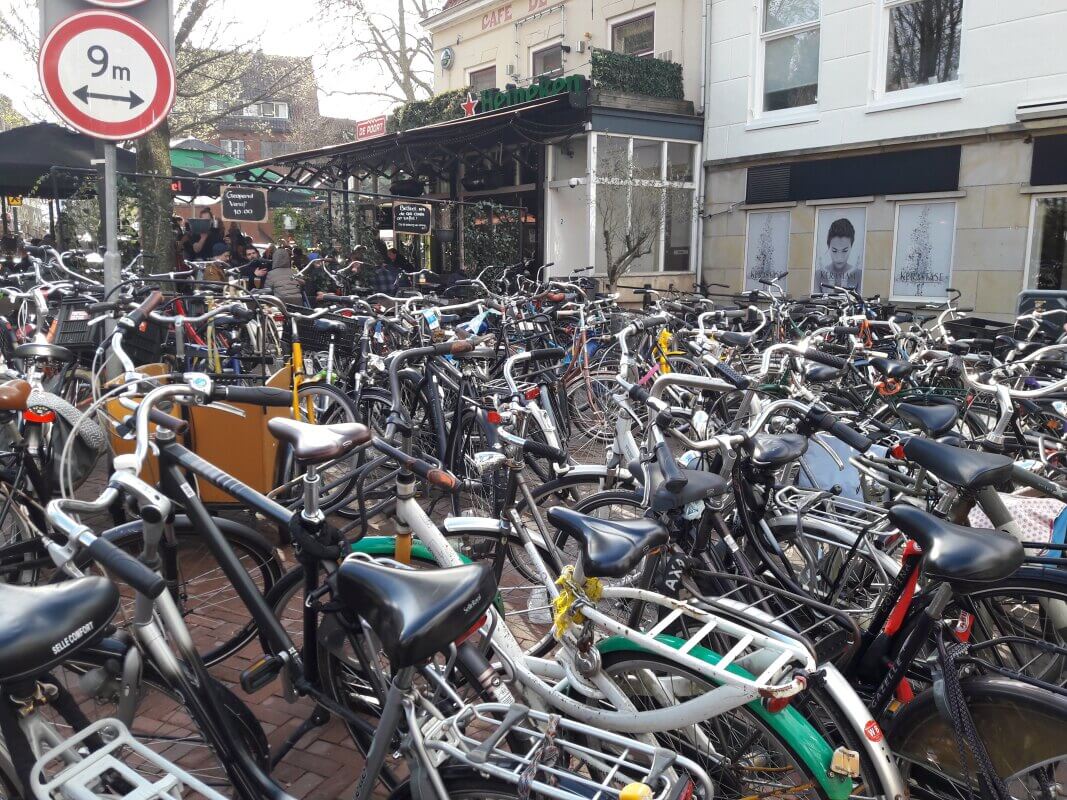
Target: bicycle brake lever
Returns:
[830, 451]
[227, 408]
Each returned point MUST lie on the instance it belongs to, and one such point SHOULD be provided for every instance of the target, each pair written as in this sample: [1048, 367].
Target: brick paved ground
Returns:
[326, 763]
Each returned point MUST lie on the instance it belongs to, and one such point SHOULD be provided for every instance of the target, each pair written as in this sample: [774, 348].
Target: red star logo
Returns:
[469, 106]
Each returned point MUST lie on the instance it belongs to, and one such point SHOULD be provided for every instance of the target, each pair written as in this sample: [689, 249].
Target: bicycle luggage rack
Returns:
[565, 760]
[853, 515]
[828, 633]
[765, 660]
[994, 662]
[95, 775]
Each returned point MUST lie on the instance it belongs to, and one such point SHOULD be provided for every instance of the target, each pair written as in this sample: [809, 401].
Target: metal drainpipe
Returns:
[705, 37]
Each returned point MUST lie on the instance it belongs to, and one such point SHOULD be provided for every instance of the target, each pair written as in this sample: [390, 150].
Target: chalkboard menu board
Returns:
[241, 204]
[412, 218]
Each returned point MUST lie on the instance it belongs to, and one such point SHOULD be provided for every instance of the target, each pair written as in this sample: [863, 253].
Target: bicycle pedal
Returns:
[260, 674]
[845, 762]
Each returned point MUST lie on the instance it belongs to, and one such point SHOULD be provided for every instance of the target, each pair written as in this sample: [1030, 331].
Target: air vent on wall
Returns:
[1041, 109]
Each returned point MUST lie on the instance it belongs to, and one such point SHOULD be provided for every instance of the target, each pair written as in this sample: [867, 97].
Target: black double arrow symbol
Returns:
[85, 96]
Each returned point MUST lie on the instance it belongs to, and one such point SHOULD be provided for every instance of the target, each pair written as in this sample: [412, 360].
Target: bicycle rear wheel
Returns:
[1021, 726]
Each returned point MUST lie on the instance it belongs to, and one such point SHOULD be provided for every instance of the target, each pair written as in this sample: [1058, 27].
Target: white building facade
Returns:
[903, 146]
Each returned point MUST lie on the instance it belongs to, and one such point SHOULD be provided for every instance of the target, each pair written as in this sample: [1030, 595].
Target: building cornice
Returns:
[459, 13]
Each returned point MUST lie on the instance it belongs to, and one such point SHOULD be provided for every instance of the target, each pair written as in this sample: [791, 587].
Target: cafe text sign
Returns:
[504, 13]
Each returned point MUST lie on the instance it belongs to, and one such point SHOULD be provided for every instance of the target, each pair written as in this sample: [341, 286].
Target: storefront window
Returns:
[548, 61]
[647, 156]
[1048, 244]
[612, 159]
[644, 215]
[635, 37]
[678, 227]
[679, 161]
[923, 43]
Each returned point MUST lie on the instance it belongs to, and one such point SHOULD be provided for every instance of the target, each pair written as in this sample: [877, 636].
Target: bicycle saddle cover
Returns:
[776, 450]
[892, 368]
[735, 338]
[14, 394]
[313, 444]
[820, 373]
[330, 326]
[40, 626]
[967, 469]
[967, 559]
[416, 613]
[933, 419]
[610, 548]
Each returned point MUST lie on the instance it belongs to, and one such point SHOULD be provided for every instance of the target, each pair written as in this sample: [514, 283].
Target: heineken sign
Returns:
[495, 99]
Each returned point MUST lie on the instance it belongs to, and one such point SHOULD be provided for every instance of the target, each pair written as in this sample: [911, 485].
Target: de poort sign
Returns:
[412, 218]
[241, 204]
[495, 99]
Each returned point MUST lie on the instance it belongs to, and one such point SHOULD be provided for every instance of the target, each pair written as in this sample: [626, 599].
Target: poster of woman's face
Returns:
[922, 250]
[840, 235]
[767, 248]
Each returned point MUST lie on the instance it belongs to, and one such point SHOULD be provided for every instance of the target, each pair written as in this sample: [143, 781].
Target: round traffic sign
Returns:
[115, 3]
[107, 75]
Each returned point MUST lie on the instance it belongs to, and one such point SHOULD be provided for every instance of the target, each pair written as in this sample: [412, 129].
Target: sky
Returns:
[282, 27]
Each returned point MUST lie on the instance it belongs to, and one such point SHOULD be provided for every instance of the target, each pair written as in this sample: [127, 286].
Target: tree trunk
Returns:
[156, 200]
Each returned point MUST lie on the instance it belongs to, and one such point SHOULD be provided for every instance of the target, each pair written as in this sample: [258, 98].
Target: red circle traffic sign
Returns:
[107, 75]
[115, 3]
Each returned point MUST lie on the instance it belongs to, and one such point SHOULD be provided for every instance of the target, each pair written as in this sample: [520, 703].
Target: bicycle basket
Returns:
[313, 341]
[72, 329]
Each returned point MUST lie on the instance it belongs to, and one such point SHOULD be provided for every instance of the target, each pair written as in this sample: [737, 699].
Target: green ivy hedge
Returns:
[439, 108]
[633, 75]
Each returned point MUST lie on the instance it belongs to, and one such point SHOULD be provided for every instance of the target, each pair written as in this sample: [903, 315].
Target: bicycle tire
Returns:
[259, 553]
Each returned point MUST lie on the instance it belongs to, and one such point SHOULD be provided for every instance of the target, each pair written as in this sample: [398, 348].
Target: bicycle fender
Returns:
[797, 732]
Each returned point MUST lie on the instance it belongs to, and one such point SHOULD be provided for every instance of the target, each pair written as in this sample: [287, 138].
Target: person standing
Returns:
[282, 282]
[202, 246]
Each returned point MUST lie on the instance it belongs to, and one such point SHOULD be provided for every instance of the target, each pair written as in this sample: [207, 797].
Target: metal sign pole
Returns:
[112, 257]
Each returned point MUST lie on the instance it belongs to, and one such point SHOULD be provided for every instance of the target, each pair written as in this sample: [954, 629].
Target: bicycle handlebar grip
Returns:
[37, 251]
[845, 330]
[651, 322]
[849, 435]
[127, 568]
[253, 395]
[547, 354]
[732, 377]
[826, 358]
[171, 423]
[140, 314]
[673, 478]
[454, 348]
[100, 308]
[542, 450]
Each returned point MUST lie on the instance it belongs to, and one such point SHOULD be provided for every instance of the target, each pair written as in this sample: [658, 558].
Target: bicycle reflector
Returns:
[493, 417]
[532, 393]
[39, 414]
[897, 451]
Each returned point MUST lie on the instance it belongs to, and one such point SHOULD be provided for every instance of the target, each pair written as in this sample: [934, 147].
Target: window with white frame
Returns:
[1047, 262]
[789, 34]
[235, 147]
[645, 205]
[482, 79]
[547, 61]
[270, 109]
[922, 42]
[635, 36]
